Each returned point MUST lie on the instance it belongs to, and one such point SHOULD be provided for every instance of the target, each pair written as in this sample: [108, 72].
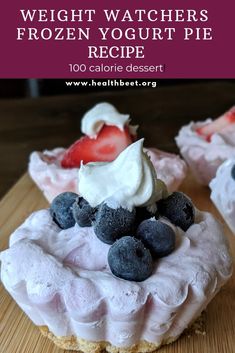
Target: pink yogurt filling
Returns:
[61, 279]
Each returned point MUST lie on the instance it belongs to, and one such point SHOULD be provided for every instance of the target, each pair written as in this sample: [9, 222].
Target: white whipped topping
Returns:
[45, 169]
[129, 181]
[223, 192]
[100, 114]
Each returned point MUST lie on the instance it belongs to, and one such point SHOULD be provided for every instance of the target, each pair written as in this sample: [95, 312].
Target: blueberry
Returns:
[112, 224]
[61, 209]
[157, 236]
[129, 259]
[233, 172]
[83, 213]
[178, 208]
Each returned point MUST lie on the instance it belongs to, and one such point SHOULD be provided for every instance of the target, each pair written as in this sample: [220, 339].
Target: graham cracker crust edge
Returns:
[78, 344]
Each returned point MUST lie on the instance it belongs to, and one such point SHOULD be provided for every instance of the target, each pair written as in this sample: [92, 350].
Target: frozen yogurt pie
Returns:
[223, 192]
[206, 145]
[124, 267]
[106, 134]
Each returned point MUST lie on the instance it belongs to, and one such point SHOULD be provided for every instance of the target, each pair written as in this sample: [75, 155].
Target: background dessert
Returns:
[107, 133]
[72, 298]
[223, 192]
[206, 145]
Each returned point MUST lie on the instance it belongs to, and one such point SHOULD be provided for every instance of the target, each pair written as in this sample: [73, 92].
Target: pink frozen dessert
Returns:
[106, 134]
[206, 145]
[223, 192]
[124, 267]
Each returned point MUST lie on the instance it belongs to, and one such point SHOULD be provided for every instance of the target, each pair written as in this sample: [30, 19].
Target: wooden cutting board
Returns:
[19, 335]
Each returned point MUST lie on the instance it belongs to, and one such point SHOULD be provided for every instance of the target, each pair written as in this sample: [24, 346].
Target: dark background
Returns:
[52, 119]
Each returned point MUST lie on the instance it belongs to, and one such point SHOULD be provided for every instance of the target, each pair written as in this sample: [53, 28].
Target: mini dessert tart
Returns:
[170, 167]
[106, 134]
[223, 192]
[206, 145]
[125, 266]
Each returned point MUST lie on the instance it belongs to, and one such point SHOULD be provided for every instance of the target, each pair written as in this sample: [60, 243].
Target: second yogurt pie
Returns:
[106, 134]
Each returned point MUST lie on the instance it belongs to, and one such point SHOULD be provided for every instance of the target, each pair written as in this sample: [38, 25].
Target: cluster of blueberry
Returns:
[138, 237]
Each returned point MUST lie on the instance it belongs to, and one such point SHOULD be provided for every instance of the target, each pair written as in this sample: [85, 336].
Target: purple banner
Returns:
[117, 39]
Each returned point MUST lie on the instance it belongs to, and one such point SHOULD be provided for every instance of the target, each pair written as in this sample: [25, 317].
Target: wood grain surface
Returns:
[19, 335]
[45, 123]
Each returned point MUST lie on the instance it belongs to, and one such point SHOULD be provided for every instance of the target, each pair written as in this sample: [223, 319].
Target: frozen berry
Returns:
[112, 224]
[157, 236]
[178, 208]
[233, 172]
[61, 209]
[130, 260]
[83, 213]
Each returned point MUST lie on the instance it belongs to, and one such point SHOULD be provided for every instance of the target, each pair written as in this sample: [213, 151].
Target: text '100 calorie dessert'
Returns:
[126, 266]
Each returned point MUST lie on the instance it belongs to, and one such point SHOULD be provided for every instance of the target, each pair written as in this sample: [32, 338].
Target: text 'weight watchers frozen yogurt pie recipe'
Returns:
[126, 266]
[106, 134]
[206, 145]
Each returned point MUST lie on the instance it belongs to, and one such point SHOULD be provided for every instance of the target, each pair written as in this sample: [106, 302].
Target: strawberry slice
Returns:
[104, 148]
[217, 125]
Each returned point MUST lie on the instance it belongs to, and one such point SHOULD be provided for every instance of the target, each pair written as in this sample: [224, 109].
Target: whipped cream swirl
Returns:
[100, 114]
[129, 181]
